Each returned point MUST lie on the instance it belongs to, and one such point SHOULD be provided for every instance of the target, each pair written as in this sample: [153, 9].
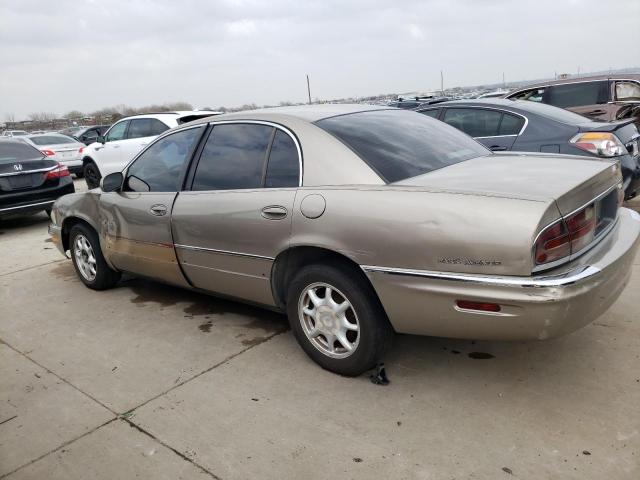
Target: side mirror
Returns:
[112, 182]
[101, 139]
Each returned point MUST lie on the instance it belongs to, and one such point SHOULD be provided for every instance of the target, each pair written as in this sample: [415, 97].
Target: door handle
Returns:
[115, 146]
[596, 112]
[158, 209]
[497, 148]
[274, 212]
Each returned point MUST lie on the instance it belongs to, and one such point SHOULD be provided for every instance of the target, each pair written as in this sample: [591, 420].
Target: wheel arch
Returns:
[291, 260]
[67, 224]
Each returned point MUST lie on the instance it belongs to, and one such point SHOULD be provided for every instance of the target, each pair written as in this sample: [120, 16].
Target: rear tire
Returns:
[92, 175]
[88, 261]
[351, 315]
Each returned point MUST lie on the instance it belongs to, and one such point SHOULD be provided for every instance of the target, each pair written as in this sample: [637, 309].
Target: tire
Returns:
[92, 175]
[369, 342]
[80, 173]
[84, 245]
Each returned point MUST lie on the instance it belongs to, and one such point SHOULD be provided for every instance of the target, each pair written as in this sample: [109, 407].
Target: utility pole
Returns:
[441, 83]
[503, 82]
[308, 89]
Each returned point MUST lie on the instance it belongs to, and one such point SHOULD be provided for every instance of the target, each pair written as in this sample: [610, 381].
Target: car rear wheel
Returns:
[92, 175]
[337, 318]
[90, 265]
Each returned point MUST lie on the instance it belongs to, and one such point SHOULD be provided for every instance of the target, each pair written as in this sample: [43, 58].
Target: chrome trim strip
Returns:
[48, 202]
[222, 252]
[542, 281]
[23, 172]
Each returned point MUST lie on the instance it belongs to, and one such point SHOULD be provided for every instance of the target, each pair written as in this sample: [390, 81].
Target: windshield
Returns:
[17, 152]
[400, 144]
[52, 140]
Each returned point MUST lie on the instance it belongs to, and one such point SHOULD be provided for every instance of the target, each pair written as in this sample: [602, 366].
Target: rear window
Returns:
[400, 144]
[17, 152]
[51, 140]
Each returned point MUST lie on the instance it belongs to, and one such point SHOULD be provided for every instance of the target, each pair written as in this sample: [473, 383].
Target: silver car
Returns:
[58, 147]
[359, 222]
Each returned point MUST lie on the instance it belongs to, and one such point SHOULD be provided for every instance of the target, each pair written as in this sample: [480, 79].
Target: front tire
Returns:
[88, 261]
[337, 318]
[92, 175]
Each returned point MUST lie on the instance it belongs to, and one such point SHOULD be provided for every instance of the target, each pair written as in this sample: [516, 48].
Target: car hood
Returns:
[571, 181]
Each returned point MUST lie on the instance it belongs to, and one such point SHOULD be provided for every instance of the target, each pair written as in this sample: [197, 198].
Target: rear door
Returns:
[138, 218]
[485, 125]
[237, 217]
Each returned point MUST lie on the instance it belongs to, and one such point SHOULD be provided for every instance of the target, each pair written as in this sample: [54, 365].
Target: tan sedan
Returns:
[358, 222]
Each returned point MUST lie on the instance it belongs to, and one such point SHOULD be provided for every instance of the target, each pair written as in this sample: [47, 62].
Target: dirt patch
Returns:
[49, 240]
[199, 304]
[64, 271]
[481, 356]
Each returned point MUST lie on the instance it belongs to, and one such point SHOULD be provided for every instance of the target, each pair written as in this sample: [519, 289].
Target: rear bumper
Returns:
[536, 307]
[36, 200]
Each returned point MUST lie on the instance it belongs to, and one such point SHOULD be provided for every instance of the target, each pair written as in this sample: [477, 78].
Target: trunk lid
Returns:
[571, 181]
[24, 174]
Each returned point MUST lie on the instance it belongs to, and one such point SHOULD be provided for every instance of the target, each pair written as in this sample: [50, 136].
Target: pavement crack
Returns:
[60, 377]
[207, 370]
[65, 444]
[166, 445]
[32, 267]
[8, 419]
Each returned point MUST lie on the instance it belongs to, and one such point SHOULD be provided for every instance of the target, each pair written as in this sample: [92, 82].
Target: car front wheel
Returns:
[88, 261]
[91, 175]
[337, 318]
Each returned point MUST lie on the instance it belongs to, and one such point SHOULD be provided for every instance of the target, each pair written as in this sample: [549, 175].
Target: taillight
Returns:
[566, 236]
[59, 171]
[599, 143]
[48, 153]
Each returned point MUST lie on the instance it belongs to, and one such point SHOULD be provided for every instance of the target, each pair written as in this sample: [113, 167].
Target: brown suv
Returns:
[602, 97]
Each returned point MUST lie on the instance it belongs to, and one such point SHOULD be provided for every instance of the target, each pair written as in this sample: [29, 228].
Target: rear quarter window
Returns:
[400, 144]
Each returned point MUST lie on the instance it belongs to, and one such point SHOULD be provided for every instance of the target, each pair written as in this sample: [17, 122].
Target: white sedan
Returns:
[60, 148]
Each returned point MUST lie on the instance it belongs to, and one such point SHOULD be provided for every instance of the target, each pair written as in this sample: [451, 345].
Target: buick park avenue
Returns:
[359, 222]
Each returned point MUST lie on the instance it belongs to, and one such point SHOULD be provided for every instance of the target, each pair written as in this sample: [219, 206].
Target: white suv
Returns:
[125, 138]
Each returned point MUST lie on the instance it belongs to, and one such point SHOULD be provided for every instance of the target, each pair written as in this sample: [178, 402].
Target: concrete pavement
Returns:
[149, 381]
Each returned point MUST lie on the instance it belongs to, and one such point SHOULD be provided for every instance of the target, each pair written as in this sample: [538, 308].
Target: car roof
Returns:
[308, 113]
[621, 76]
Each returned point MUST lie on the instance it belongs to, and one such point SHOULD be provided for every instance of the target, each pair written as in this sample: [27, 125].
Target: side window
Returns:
[90, 136]
[233, 157]
[117, 131]
[578, 94]
[627, 91]
[510, 125]
[156, 127]
[533, 95]
[433, 113]
[158, 168]
[475, 122]
[139, 128]
[283, 169]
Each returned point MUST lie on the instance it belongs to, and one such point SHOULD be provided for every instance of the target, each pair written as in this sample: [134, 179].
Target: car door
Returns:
[110, 152]
[586, 98]
[483, 124]
[137, 219]
[237, 216]
[141, 131]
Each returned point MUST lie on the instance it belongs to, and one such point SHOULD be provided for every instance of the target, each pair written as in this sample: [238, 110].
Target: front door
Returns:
[137, 220]
[110, 153]
[237, 217]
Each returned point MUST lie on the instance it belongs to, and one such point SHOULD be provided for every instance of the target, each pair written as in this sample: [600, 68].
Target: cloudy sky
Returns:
[57, 56]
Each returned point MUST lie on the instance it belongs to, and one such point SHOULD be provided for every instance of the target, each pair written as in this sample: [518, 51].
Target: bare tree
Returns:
[74, 115]
[10, 117]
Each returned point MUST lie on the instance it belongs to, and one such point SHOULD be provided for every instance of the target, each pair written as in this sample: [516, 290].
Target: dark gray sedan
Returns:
[526, 126]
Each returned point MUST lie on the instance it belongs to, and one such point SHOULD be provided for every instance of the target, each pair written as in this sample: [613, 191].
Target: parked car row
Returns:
[361, 221]
[508, 125]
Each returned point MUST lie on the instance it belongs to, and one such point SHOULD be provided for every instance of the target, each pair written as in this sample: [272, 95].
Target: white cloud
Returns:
[415, 31]
[241, 27]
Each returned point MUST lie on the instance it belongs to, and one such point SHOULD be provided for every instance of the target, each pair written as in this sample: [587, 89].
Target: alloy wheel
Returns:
[329, 320]
[85, 258]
